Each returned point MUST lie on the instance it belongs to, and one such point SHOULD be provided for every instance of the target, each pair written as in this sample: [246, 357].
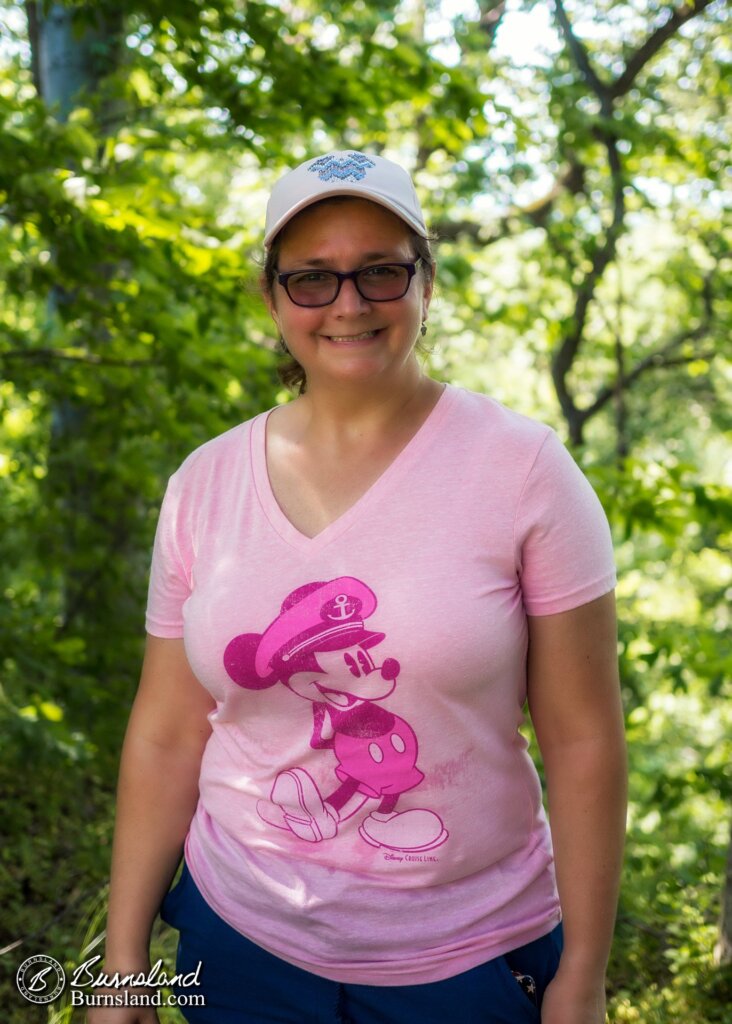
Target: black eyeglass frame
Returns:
[352, 275]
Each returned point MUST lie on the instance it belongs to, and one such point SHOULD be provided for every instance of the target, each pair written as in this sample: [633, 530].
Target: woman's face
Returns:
[352, 338]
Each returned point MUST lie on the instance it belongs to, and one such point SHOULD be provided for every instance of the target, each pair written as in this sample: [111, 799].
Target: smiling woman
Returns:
[352, 597]
[346, 286]
[421, 262]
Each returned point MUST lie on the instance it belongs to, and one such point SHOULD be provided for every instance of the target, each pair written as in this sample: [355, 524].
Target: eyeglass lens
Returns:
[319, 287]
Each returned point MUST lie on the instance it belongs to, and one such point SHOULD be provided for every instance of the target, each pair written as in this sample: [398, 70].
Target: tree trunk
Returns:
[73, 50]
[723, 951]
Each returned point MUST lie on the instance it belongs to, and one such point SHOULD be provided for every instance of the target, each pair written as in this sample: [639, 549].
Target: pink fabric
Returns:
[368, 809]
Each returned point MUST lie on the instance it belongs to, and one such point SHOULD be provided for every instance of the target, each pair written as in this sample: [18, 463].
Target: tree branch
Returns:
[571, 179]
[667, 355]
[491, 13]
[568, 348]
[51, 354]
[480, 234]
[647, 50]
[581, 57]
[489, 18]
[654, 361]
[570, 344]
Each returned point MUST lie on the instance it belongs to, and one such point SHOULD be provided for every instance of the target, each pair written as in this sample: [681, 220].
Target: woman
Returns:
[370, 580]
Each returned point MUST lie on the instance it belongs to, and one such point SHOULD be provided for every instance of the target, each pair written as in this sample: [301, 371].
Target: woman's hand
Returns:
[121, 1014]
[574, 998]
[136, 965]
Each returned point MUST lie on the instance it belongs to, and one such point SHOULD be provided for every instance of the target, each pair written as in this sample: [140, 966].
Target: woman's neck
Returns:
[351, 414]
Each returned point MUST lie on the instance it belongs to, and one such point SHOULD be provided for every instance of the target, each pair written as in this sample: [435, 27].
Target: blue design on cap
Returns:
[352, 167]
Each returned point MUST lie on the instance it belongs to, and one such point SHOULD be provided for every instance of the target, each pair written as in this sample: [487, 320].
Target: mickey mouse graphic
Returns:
[320, 649]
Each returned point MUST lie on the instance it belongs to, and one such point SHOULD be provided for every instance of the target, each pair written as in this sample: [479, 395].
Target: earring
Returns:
[283, 346]
[423, 328]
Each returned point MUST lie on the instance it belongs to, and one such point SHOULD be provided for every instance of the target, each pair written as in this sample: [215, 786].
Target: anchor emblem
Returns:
[341, 608]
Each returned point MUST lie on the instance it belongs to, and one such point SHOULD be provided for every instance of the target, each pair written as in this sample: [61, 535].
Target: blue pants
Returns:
[244, 984]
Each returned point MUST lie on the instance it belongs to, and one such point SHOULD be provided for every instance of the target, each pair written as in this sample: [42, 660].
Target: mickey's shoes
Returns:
[298, 806]
[409, 831]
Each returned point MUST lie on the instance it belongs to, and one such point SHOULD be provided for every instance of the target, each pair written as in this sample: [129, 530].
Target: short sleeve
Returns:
[170, 578]
[563, 545]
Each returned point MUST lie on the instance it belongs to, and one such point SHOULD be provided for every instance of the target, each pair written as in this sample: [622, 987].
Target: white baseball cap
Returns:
[343, 173]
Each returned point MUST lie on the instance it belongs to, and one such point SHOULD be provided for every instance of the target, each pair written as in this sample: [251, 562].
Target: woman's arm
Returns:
[156, 800]
[574, 700]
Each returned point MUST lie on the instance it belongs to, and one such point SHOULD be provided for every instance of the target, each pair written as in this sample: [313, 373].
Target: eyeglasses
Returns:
[382, 282]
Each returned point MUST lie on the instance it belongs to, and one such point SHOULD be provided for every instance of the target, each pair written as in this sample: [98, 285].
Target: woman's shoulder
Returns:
[220, 454]
[487, 419]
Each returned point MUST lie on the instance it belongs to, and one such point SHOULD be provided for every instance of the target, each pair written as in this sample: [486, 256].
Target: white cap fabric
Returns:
[343, 173]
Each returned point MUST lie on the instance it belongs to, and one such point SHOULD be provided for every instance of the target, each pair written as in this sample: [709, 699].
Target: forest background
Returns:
[571, 156]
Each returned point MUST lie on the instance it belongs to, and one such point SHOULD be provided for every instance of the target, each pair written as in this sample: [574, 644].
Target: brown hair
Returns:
[289, 371]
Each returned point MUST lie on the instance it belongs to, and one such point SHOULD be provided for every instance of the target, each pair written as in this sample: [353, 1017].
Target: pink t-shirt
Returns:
[368, 810]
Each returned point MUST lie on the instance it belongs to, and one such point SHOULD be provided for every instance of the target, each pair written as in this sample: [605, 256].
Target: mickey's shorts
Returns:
[243, 984]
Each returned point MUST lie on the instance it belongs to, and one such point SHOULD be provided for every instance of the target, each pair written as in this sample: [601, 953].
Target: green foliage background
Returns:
[582, 265]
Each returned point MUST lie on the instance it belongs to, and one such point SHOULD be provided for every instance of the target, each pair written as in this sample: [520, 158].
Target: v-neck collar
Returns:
[277, 518]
